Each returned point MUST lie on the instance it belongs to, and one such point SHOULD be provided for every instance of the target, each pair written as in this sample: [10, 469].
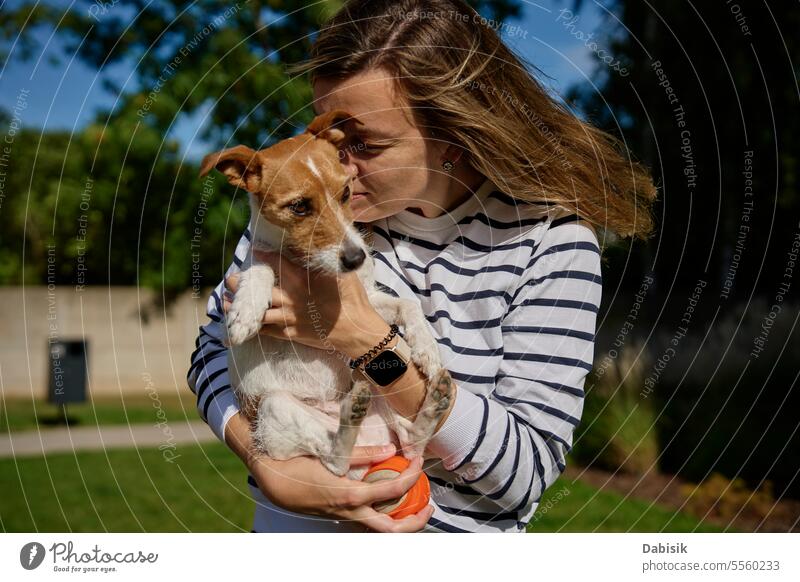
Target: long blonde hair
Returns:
[465, 86]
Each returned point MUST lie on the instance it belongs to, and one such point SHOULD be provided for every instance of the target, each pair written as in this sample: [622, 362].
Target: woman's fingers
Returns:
[280, 316]
[412, 523]
[382, 523]
[232, 282]
[369, 493]
[279, 299]
[284, 269]
[372, 454]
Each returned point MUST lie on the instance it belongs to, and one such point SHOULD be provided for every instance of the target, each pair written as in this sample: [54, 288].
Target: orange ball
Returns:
[413, 501]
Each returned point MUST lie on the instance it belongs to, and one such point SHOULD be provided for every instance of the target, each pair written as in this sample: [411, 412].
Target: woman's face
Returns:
[388, 154]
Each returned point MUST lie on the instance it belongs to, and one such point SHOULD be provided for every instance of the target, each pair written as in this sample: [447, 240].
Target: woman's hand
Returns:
[337, 316]
[304, 485]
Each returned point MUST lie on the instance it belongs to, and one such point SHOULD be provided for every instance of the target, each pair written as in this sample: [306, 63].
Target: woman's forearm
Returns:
[407, 393]
[239, 438]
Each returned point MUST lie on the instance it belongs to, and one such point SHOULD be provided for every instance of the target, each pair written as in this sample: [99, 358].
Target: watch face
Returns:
[385, 368]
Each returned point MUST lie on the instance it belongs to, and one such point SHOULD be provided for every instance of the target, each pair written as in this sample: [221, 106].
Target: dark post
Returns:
[68, 372]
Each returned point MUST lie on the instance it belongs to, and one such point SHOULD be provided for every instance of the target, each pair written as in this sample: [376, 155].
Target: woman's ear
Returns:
[451, 154]
[241, 165]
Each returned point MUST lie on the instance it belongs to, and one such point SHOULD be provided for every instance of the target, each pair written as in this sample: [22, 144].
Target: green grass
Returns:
[205, 490]
[27, 414]
[569, 506]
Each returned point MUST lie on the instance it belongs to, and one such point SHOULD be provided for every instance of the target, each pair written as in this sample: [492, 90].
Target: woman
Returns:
[482, 194]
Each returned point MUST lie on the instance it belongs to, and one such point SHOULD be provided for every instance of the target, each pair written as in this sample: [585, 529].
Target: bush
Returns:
[617, 429]
[727, 411]
[719, 497]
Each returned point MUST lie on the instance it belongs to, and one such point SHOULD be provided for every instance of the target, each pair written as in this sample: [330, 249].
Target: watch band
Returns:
[402, 348]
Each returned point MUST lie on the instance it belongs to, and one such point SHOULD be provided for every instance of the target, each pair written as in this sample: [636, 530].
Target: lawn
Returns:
[205, 489]
[573, 506]
[27, 414]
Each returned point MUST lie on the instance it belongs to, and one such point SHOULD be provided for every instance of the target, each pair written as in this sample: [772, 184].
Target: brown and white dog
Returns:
[303, 400]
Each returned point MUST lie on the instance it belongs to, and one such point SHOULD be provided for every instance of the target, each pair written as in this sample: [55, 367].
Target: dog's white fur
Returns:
[308, 401]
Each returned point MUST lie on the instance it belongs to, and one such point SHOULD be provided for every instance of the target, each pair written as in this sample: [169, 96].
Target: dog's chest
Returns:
[263, 364]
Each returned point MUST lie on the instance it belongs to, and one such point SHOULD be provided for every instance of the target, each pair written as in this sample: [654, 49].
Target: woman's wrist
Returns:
[239, 439]
[368, 330]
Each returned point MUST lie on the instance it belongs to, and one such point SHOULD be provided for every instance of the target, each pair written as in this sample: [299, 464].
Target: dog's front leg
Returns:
[352, 412]
[439, 391]
[424, 348]
[252, 299]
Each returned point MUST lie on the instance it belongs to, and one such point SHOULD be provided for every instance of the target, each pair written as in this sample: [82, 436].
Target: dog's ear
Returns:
[240, 164]
[325, 126]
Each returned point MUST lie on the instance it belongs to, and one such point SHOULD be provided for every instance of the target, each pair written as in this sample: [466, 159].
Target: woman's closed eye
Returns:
[367, 147]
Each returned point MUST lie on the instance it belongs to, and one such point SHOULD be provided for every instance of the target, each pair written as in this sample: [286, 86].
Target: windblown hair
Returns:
[466, 87]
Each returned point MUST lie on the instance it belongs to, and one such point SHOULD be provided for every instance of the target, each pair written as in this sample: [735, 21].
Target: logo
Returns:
[31, 555]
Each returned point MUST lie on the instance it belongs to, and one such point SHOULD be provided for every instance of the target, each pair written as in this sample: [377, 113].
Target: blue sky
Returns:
[67, 95]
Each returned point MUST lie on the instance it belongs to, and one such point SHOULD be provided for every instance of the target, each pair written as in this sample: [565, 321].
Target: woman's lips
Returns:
[357, 195]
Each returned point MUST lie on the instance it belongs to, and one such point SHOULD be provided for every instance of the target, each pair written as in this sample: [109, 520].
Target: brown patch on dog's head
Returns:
[299, 185]
[329, 125]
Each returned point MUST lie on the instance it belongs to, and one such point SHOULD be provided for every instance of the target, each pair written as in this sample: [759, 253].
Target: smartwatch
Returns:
[387, 365]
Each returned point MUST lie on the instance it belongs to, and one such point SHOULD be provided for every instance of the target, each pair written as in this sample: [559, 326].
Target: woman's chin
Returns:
[363, 211]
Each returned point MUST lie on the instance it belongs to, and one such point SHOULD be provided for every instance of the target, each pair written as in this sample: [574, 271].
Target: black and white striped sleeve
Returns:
[511, 445]
[208, 373]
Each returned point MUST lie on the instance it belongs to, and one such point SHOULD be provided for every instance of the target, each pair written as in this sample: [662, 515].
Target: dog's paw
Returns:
[427, 360]
[414, 448]
[437, 401]
[239, 332]
[336, 465]
[442, 391]
[357, 473]
[243, 322]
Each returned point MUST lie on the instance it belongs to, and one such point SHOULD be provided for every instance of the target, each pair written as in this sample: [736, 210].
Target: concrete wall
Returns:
[126, 354]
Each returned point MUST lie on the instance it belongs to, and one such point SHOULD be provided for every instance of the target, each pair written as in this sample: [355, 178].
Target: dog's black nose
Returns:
[352, 259]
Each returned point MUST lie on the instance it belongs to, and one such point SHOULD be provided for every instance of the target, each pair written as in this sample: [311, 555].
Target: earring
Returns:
[448, 166]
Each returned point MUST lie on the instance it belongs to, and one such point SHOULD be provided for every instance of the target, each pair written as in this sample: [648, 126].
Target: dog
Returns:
[303, 400]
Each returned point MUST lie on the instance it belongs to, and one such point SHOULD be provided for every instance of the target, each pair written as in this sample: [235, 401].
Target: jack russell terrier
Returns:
[303, 400]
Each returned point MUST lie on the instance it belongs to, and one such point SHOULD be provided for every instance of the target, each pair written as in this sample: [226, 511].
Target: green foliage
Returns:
[618, 426]
[736, 90]
[112, 206]
[187, 54]
[726, 411]
[143, 201]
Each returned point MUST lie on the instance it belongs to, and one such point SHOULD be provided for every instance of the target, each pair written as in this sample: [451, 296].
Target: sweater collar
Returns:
[418, 223]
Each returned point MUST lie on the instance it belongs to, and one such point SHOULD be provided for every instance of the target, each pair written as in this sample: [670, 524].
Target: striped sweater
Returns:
[511, 291]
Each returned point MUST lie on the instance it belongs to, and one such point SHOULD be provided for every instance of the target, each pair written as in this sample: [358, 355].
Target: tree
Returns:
[119, 180]
[707, 84]
[710, 102]
[189, 54]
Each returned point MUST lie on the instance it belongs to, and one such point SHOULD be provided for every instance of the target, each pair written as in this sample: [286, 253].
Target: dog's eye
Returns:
[300, 207]
[346, 195]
